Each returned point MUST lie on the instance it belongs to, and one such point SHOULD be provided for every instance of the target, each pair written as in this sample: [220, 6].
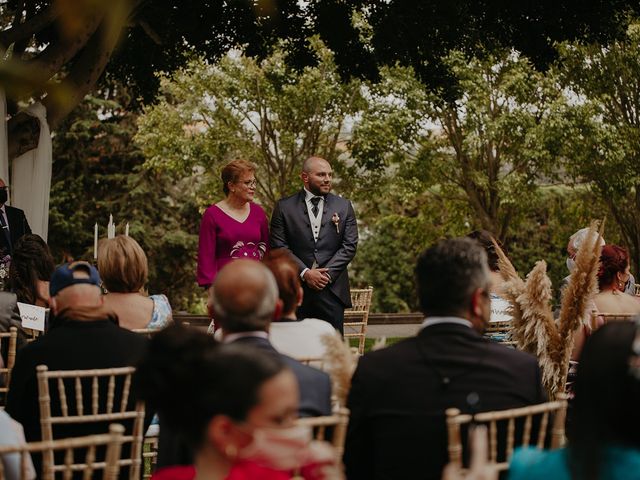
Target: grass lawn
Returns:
[368, 342]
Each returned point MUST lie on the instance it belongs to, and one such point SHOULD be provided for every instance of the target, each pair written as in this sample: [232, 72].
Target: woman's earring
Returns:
[231, 451]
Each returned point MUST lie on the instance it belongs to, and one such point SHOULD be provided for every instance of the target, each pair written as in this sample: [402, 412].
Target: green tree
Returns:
[602, 127]
[98, 171]
[486, 152]
[263, 111]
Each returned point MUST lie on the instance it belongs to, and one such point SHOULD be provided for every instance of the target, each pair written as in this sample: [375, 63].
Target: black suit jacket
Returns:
[291, 229]
[73, 345]
[315, 385]
[398, 397]
[18, 226]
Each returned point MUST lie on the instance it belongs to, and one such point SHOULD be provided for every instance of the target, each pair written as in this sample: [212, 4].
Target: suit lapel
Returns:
[325, 212]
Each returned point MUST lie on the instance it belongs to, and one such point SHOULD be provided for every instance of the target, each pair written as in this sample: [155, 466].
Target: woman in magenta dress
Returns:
[234, 227]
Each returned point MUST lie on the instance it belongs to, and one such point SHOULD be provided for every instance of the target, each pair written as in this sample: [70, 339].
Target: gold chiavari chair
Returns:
[331, 429]
[500, 332]
[150, 451]
[598, 319]
[109, 401]
[147, 332]
[356, 318]
[109, 467]
[636, 290]
[5, 370]
[508, 419]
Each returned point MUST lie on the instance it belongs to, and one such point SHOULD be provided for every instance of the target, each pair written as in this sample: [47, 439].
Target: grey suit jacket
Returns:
[335, 248]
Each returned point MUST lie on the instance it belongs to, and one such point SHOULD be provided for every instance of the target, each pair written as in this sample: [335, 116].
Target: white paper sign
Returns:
[32, 317]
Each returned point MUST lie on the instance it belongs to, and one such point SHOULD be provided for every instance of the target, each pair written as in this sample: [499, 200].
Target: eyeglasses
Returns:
[250, 183]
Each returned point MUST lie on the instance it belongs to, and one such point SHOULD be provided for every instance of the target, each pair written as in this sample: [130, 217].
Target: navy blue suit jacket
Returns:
[314, 385]
[335, 248]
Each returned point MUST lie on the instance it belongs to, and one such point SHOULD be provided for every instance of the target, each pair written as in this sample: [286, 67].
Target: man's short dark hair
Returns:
[448, 273]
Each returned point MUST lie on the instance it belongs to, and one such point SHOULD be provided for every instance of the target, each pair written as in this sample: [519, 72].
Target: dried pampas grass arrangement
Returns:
[533, 327]
[340, 363]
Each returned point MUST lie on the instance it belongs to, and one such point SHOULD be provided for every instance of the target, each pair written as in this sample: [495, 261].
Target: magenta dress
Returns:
[222, 239]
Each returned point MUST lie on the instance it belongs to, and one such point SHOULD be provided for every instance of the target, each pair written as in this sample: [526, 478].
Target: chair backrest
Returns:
[5, 371]
[598, 319]
[331, 429]
[109, 467]
[315, 362]
[357, 317]
[636, 290]
[147, 332]
[500, 332]
[110, 401]
[494, 419]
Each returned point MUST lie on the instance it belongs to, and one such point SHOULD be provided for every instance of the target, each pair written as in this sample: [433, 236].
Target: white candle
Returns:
[111, 231]
[95, 241]
[126, 230]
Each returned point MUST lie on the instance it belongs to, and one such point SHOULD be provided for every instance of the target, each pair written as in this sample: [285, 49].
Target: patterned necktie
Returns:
[315, 201]
[5, 231]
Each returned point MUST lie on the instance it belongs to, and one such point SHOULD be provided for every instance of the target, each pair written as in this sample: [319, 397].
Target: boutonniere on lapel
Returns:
[336, 220]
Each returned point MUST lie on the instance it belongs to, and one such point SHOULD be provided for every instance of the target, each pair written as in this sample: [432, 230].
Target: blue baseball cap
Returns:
[63, 276]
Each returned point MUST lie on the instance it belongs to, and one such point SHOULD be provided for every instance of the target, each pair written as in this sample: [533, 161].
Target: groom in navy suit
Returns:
[320, 230]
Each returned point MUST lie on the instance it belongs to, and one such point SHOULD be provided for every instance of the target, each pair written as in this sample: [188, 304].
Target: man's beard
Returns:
[315, 189]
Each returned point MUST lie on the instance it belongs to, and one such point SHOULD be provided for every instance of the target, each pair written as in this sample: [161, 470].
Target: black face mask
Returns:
[4, 195]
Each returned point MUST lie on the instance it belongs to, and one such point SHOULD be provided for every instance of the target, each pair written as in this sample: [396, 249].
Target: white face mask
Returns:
[571, 264]
[278, 448]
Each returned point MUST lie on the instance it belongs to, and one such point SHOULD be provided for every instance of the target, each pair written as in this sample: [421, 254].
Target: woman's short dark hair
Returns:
[31, 261]
[448, 273]
[485, 239]
[188, 378]
[613, 260]
[605, 410]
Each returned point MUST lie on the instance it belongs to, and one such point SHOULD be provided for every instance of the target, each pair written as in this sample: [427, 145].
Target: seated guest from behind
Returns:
[399, 394]
[245, 301]
[29, 274]
[612, 278]
[124, 269]
[604, 439]
[235, 408]
[298, 338]
[86, 336]
[11, 434]
[31, 268]
[499, 305]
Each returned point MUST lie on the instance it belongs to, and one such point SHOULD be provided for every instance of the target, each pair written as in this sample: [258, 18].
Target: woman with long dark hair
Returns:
[604, 435]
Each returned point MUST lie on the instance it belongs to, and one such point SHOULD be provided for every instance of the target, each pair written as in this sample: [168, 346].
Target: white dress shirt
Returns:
[429, 321]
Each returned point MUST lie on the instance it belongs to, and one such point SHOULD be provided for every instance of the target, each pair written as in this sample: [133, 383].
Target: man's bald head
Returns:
[317, 175]
[244, 297]
[314, 163]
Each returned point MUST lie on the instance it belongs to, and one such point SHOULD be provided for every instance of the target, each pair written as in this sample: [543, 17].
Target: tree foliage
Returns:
[98, 171]
[602, 127]
[263, 111]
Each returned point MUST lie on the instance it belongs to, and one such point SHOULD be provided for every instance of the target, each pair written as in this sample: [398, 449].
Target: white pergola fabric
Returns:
[31, 177]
